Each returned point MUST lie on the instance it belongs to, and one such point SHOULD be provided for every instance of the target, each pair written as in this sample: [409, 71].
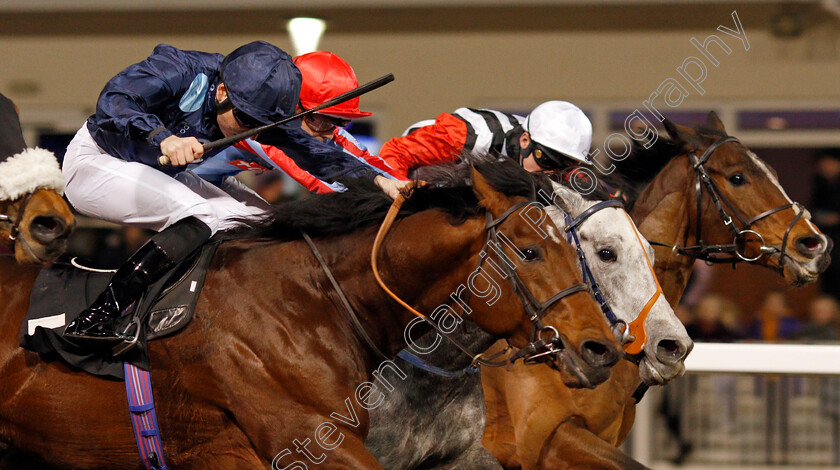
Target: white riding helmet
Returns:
[562, 127]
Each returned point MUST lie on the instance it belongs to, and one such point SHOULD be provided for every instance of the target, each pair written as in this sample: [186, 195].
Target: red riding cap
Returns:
[325, 76]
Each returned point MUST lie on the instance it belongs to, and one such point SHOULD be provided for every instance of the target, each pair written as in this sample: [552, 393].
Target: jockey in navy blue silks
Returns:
[170, 104]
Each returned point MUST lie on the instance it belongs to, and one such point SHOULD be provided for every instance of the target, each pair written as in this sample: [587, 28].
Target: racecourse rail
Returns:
[793, 375]
[762, 358]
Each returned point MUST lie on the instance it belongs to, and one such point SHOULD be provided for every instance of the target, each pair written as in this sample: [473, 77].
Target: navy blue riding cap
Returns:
[263, 82]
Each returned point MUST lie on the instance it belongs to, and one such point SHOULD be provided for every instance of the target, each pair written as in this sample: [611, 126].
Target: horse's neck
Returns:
[15, 286]
[662, 214]
[420, 276]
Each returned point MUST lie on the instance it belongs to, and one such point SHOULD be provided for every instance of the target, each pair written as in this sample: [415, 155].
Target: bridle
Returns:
[618, 327]
[545, 341]
[632, 337]
[707, 252]
[15, 224]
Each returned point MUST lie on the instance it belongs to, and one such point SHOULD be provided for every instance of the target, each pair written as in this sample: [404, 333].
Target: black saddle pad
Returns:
[62, 291]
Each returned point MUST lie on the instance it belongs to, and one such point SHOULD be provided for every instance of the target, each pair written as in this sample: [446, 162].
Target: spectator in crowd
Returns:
[715, 320]
[825, 209]
[824, 320]
[698, 283]
[774, 321]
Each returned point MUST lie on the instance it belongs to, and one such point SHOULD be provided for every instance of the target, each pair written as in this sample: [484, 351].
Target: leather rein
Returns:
[705, 251]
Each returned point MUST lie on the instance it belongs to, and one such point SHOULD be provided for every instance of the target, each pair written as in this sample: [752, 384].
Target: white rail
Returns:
[756, 358]
[739, 358]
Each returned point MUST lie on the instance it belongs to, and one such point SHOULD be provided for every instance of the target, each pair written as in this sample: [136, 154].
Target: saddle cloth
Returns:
[62, 291]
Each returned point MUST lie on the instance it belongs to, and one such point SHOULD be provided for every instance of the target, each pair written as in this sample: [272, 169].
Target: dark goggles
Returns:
[241, 118]
[549, 159]
[244, 120]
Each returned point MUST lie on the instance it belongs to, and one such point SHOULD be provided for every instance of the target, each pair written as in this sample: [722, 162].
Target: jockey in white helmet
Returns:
[555, 136]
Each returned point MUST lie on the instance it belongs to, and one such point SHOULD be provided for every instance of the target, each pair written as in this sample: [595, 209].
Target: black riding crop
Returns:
[370, 86]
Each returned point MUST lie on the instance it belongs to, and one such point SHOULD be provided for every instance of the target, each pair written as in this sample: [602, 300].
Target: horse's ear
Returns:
[489, 198]
[714, 121]
[678, 133]
[567, 199]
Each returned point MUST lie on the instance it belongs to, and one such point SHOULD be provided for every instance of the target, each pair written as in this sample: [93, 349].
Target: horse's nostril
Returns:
[595, 348]
[669, 346]
[45, 229]
[809, 245]
[671, 350]
[46, 223]
[598, 353]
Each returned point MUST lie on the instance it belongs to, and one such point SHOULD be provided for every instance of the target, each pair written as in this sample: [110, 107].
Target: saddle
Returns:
[64, 289]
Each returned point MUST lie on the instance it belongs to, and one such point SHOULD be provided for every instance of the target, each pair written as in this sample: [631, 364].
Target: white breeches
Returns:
[131, 193]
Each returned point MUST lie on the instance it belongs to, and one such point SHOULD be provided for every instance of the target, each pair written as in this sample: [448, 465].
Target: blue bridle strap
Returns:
[423, 365]
[572, 236]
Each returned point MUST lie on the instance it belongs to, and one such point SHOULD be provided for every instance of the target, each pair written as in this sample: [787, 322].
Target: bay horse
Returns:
[677, 181]
[271, 360]
[407, 430]
[35, 221]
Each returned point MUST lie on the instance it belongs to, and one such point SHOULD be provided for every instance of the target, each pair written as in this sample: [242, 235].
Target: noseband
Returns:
[15, 230]
[544, 342]
[706, 251]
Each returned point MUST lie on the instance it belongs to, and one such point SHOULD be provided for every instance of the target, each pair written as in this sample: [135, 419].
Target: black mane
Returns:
[633, 174]
[364, 204]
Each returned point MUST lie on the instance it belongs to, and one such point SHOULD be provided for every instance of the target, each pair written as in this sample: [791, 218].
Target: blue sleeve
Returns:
[131, 102]
[325, 161]
[218, 167]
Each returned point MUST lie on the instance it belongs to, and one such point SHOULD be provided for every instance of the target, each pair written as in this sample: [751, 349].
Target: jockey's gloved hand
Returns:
[181, 150]
[389, 186]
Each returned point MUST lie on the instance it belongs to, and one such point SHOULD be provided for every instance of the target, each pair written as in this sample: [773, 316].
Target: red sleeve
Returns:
[441, 142]
[372, 160]
[279, 158]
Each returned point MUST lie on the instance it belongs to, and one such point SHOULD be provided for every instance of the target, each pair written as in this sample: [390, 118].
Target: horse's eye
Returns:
[607, 255]
[738, 179]
[531, 254]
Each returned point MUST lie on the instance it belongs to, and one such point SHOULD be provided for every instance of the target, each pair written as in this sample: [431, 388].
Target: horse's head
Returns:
[36, 226]
[621, 262]
[742, 204]
[34, 220]
[544, 298]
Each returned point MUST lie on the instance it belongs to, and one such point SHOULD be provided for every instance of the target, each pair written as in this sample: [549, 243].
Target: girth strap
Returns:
[141, 405]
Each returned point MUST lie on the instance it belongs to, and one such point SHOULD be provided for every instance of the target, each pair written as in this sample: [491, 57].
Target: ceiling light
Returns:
[305, 33]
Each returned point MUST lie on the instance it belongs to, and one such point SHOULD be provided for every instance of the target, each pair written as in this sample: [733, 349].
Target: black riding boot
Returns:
[98, 323]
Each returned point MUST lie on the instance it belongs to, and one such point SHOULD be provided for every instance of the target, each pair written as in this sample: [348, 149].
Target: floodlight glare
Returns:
[305, 33]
